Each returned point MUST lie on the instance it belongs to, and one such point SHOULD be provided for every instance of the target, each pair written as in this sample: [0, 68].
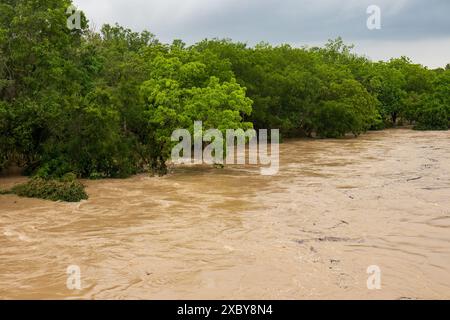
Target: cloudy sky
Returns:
[419, 29]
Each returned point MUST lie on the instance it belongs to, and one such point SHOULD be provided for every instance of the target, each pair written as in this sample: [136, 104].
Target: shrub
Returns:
[433, 117]
[53, 169]
[68, 189]
[69, 177]
[334, 120]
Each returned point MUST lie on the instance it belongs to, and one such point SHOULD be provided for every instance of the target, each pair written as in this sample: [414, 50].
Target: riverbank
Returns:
[335, 208]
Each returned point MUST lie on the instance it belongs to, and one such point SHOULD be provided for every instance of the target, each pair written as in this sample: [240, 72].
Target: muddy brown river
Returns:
[335, 208]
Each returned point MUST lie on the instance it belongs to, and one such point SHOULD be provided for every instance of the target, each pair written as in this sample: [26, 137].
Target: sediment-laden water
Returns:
[335, 208]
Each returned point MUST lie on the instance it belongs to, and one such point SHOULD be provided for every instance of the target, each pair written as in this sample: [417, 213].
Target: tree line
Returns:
[104, 104]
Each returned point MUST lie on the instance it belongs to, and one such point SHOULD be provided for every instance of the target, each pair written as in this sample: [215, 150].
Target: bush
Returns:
[2, 192]
[67, 189]
[335, 119]
[433, 117]
[69, 177]
[53, 169]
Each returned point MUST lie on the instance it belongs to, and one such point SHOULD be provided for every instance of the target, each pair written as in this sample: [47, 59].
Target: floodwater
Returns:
[335, 208]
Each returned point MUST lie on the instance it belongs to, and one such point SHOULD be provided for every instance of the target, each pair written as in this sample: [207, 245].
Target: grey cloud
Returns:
[291, 21]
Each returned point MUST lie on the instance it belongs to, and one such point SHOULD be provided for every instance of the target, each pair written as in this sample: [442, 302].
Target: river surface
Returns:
[335, 208]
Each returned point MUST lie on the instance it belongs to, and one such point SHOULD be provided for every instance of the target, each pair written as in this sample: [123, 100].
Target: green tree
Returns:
[176, 96]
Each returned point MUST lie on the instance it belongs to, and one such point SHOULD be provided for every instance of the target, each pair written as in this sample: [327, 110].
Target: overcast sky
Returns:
[419, 29]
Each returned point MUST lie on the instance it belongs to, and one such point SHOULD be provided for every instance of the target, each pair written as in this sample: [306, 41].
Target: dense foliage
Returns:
[54, 190]
[105, 104]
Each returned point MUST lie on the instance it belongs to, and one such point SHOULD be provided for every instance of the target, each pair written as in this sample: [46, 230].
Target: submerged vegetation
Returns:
[68, 190]
[105, 104]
